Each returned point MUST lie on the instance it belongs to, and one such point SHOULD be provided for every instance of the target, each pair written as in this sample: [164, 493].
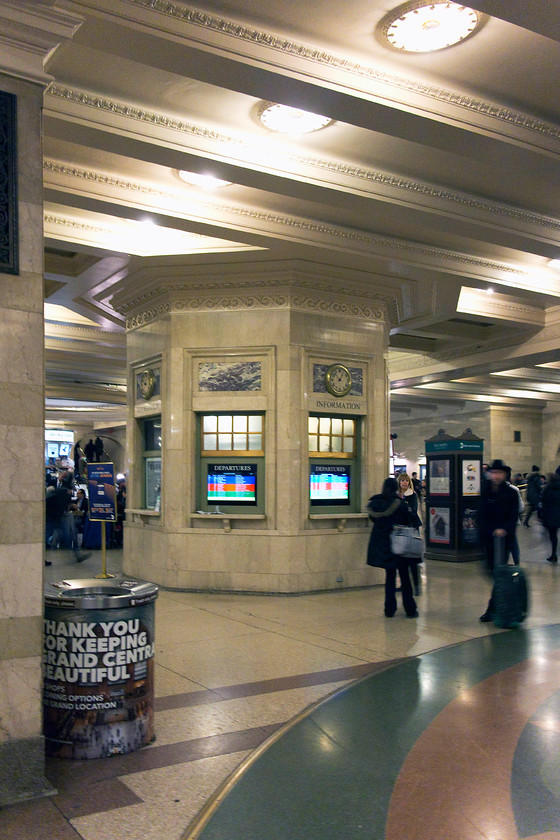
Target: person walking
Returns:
[407, 493]
[385, 510]
[515, 553]
[89, 451]
[80, 508]
[99, 448]
[60, 521]
[497, 517]
[534, 491]
[551, 514]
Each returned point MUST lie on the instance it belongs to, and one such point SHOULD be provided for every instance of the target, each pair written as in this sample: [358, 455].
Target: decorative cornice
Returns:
[85, 227]
[385, 179]
[62, 221]
[123, 109]
[75, 332]
[261, 217]
[287, 301]
[240, 303]
[194, 17]
[148, 316]
[301, 295]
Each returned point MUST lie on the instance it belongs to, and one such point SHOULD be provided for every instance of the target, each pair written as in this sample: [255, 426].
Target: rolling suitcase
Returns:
[511, 593]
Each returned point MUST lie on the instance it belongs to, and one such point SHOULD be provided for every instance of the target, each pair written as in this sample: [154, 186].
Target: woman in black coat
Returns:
[385, 510]
[550, 516]
[406, 491]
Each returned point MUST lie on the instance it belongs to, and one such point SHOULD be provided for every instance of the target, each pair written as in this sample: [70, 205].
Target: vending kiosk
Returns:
[453, 484]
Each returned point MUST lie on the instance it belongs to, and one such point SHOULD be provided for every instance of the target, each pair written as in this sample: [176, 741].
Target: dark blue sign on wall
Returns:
[8, 185]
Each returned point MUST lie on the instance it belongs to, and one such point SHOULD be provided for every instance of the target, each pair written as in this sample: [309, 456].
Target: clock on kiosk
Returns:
[147, 383]
[338, 380]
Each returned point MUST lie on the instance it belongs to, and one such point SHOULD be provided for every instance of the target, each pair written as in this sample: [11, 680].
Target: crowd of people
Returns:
[67, 523]
[500, 510]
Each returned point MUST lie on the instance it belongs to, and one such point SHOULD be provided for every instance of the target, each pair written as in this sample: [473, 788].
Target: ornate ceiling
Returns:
[435, 187]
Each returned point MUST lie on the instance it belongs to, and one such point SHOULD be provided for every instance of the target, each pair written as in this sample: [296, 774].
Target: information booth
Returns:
[453, 484]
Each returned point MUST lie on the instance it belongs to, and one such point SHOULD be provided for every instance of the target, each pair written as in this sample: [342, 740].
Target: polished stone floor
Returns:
[315, 717]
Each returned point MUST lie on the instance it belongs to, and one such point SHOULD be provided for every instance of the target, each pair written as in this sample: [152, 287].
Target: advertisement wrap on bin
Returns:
[98, 674]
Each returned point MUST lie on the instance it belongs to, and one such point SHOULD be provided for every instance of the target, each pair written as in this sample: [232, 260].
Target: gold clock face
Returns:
[147, 383]
[338, 380]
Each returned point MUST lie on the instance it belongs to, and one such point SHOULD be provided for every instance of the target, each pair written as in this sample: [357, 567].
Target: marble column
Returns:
[288, 322]
[29, 33]
[22, 489]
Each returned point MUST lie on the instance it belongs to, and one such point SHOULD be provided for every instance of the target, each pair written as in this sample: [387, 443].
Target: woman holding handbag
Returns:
[385, 510]
[406, 491]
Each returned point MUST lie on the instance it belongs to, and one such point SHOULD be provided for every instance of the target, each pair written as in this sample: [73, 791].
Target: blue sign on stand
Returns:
[102, 492]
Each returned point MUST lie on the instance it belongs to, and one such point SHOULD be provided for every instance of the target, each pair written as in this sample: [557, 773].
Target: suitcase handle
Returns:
[500, 558]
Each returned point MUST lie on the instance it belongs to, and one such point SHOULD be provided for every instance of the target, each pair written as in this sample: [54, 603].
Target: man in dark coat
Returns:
[98, 449]
[551, 514]
[89, 450]
[385, 510]
[57, 505]
[497, 517]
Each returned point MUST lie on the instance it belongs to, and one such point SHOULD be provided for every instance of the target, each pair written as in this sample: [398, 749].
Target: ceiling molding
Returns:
[483, 268]
[409, 189]
[326, 59]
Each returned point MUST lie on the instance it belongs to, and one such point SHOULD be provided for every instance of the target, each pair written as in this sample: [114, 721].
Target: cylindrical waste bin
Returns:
[98, 667]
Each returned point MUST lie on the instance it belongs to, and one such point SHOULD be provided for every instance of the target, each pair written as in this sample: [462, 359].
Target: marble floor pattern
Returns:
[232, 670]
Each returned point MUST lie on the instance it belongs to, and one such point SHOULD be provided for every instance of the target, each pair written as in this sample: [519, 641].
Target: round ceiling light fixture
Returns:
[207, 182]
[426, 27]
[287, 120]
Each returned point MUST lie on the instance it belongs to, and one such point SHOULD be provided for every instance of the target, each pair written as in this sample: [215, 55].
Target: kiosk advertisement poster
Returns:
[471, 478]
[469, 526]
[101, 492]
[98, 673]
[440, 525]
[439, 477]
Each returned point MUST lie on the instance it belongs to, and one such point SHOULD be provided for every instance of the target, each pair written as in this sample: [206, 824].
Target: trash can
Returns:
[98, 667]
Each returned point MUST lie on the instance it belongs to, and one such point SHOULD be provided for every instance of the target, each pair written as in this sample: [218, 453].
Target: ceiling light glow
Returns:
[207, 182]
[286, 120]
[426, 27]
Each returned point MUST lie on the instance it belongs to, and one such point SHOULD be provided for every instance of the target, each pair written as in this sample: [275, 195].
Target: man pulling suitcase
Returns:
[497, 520]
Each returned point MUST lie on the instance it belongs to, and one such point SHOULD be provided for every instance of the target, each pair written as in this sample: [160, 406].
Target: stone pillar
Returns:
[29, 34]
[22, 491]
[258, 339]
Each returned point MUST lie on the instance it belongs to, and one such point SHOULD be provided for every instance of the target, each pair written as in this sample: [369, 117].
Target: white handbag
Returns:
[406, 542]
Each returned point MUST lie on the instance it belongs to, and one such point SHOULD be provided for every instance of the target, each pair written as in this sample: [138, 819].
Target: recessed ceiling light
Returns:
[207, 182]
[426, 27]
[287, 120]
